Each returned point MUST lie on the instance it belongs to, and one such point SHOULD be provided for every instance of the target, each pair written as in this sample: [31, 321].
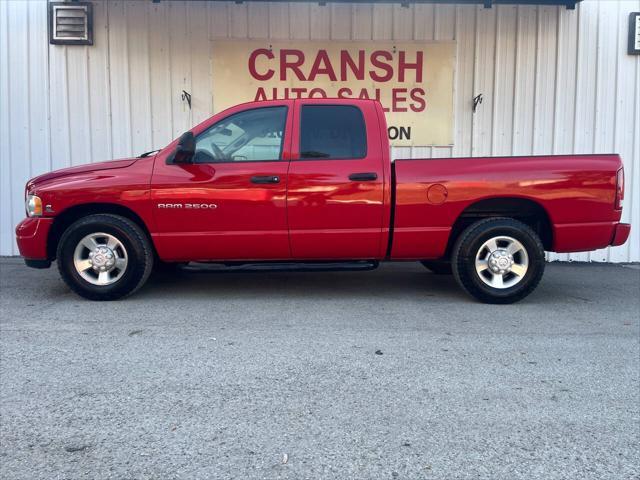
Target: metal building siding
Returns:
[553, 81]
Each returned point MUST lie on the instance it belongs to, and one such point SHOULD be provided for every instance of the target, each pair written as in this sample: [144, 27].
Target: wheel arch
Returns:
[526, 210]
[65, 218]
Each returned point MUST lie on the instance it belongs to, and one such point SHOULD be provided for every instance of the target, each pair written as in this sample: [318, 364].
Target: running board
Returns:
[229, 267]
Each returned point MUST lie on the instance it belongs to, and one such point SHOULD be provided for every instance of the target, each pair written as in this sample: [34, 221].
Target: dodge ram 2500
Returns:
[312, 181]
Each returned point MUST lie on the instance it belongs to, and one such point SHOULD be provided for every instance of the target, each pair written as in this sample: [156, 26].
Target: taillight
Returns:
[619, 188]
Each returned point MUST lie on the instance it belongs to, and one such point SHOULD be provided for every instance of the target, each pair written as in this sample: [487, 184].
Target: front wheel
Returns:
[104, 257]
[498, 260]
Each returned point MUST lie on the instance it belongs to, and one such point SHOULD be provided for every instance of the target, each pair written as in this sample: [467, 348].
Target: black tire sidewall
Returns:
[469, 245]
[125, 233]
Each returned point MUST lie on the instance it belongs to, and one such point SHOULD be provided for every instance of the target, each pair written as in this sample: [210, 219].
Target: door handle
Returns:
[265, 179]
[363, 177]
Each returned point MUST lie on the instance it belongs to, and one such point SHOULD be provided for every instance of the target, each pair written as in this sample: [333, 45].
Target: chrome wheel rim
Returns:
[502, 262]
[100, 259]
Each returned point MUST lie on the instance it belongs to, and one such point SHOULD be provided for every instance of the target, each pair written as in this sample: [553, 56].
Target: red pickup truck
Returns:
[311, 181]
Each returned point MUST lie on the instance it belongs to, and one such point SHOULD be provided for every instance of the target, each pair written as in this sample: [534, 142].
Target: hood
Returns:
[90, 167]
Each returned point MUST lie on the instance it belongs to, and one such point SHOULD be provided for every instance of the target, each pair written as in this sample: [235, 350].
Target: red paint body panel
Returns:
[31, 234]
[330, 216]
[250, 221]
[576, 191]
[91, 167]
[621, 234]
[315, 212]
[582, 237]
[125, 183]
[121, 182]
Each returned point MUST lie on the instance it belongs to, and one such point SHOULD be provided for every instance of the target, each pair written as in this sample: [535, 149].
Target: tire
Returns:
[518, 253]
[117, 244]
[439, 267]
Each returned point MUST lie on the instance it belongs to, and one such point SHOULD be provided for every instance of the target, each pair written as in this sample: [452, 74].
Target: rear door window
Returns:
[332, 132]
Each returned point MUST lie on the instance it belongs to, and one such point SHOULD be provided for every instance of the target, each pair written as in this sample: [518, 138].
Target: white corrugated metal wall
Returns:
[553, 80]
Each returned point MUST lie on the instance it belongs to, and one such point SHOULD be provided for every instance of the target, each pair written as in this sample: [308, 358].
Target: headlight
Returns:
[33, 205]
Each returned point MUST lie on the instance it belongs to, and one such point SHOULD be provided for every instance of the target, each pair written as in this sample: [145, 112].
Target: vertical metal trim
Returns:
[28, 67]
[556, 83]
[107, 62]
[615, 105]
[496, 58]
[9, 110]
[66, 106]
[535, 83]
[127, 73]
[474, 80]
[151, 143]
[87, 79]
[634, 178]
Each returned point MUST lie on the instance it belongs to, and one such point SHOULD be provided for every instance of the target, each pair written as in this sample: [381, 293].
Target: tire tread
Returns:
[459, 262]
[123, 223]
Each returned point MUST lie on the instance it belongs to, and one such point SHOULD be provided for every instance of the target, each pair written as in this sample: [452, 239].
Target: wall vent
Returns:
[634, 33]
[70, 23]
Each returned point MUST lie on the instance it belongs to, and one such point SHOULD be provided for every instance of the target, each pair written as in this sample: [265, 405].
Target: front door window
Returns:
[250, 136]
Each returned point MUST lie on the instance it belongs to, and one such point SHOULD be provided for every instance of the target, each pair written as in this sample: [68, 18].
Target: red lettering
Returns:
[404, 65]
[294, 65]
[327, 69]
[321, 93]
[347, 61]
[417, 95]
[344, 92]
[364, 94]
[375, 76]
[298, 92]
[252, 64]
[260, 95]
[397, 100]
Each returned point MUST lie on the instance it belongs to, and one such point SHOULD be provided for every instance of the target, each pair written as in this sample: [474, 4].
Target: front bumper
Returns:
[31, 235]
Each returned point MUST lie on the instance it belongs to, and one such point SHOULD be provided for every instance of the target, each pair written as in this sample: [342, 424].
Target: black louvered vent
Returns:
[70, 23]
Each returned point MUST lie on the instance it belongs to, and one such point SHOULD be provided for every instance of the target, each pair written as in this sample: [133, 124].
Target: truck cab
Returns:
[277, 180]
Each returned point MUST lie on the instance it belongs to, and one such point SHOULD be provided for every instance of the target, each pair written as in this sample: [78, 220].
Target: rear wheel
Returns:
[498, 260]
[104, 257]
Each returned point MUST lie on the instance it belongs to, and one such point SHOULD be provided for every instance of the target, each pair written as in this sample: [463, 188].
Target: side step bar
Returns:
[234, 267]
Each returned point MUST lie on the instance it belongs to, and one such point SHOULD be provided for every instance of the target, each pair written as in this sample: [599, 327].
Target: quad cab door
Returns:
[230, 202]
[335, 198]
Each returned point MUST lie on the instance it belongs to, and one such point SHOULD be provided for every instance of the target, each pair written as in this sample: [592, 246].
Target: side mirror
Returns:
[186, 148]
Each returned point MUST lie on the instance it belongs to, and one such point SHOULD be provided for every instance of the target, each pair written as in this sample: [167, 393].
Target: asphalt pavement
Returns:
[393, 373]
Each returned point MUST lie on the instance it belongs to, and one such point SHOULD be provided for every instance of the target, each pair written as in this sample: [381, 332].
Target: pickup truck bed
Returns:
[568, 198]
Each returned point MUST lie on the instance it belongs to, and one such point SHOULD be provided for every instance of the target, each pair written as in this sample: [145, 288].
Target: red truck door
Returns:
[230, 203]
[336, 181]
